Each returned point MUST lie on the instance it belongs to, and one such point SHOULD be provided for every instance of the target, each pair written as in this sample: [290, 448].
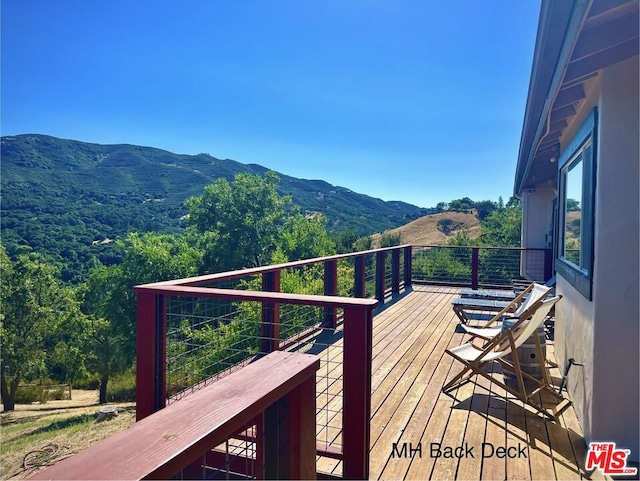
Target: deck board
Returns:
[409, 369]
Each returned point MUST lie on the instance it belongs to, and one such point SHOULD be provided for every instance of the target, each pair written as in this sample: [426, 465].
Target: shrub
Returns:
[122, 388]
[445, 225]
[57, 394]
[30, 394]
[89, 383]
[389, 239]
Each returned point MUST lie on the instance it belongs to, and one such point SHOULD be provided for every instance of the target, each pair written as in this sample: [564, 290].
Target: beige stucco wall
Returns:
[616, 372]
[537, 209]
[574, 330]
[603, 334]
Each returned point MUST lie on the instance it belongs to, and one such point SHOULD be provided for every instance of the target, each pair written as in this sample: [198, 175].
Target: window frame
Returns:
[579, 276]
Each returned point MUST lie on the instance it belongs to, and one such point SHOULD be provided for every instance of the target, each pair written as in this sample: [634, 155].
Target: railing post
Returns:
[407, 267]
[474, 267]
[356, 429]
[395, 272]
[330, 289]
[270, 327]
[150, 353]
[303, 431]
[380, 275]
[359, 281]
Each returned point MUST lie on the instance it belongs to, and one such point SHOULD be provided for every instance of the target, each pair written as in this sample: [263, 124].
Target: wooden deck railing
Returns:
[273, 398]
[480, 266]
[332, 297]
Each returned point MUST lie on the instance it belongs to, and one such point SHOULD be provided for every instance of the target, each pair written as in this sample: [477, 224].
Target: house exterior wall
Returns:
[574, 328]
[537, 218]
[616, 371]
[603, 334]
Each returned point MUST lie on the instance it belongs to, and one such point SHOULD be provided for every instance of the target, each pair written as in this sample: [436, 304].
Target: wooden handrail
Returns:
[152, 302]
[166, 442]
[481, 247]
[260, 296]
[224, 276]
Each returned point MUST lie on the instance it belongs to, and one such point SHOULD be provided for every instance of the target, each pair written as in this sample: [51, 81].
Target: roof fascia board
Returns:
[578, 15]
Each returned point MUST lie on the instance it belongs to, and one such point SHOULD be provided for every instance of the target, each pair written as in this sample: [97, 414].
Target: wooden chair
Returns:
[533, 297]
[475, 359]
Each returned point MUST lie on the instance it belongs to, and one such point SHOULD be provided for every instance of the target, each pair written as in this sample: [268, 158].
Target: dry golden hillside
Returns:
[425, 229]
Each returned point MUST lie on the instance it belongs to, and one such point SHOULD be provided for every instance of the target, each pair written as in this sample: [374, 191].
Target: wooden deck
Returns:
[409, 369]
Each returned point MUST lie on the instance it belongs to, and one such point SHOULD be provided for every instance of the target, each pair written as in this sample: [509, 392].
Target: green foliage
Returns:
[462, 238]
[573, 205]
[346, 241]
[305, 237]
[33, 306]
[110, 299]
[484, 208]
[390, 239]
[363, 244]
[502, 228]
[238, 223]
[122, 388]
[30, 394]
[445, 225]
[499, 228]
[461, 204]
[443, 264]
[27, 394]
[67, 199]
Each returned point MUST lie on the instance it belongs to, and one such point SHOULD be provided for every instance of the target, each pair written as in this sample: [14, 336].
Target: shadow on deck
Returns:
[410, 414]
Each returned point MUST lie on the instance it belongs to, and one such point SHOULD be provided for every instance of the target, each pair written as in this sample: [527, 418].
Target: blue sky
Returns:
[419, 101]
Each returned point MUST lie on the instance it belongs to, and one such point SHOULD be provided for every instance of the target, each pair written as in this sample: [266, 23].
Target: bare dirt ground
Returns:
[424, 231]
[37, 435]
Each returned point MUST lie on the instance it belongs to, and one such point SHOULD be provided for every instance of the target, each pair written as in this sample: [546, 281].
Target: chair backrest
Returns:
[539, 291]
[523, 329]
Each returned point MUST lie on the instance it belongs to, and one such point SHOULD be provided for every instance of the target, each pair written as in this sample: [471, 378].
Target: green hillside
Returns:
[69, 199]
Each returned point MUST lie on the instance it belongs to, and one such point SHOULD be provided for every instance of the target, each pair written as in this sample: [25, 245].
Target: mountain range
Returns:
[69, 199]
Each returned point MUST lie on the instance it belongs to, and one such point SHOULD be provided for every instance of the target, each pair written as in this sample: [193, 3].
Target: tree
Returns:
[69, 355]
[345, 240]
[32, 304]
[461, 204]
[484, 208]
[390, 239]
[304, 238]
[502, 228]
[363, 244]
[441, 206]
[445, 225]
[573, 205]
[237, 224]
[110, 301]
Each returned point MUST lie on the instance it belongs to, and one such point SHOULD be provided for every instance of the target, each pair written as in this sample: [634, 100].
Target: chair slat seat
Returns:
[475, 359]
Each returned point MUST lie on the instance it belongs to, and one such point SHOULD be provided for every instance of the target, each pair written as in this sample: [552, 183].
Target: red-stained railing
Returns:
[193, 331]
[257, 422]
[480, 266]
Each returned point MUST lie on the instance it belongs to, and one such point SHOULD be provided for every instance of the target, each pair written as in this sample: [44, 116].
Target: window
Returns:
[576, 203]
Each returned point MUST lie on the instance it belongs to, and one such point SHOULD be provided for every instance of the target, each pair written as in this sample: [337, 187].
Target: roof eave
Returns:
[558, 27]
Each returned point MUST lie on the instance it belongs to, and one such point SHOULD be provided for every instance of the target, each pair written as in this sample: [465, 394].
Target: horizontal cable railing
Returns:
[479, 266]
[202, 329]
[193, 332]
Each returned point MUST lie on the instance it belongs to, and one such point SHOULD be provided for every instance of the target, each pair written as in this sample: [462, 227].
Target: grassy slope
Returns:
[425, 229]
